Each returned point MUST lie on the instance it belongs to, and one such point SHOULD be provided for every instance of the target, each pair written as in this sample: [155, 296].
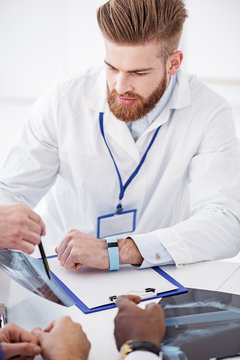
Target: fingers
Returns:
[33, 226]
[28, 218]
[36, 331]
[64, 339]
[70, 262]
[37, 219]
[24, 246]
[62, 247]
[65, 253]
[26, 349]
[156, 312]
[127, 300]
[22, 227]
[155, 308]
[50, 326]
[16, 334]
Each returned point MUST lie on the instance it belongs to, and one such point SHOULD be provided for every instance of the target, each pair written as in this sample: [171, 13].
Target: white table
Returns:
[29, 310]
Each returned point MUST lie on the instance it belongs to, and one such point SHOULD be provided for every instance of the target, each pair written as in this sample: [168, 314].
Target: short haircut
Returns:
[134, 22]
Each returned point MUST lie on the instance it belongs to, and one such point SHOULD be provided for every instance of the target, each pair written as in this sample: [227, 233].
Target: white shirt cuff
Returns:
[143, 355]
[152, 250]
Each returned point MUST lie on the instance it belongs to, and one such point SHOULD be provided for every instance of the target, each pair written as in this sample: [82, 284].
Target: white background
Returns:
[44, 41]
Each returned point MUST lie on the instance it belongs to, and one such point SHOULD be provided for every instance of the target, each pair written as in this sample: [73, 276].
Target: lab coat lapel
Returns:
[119, 132]
[180, 98]
[161, 119]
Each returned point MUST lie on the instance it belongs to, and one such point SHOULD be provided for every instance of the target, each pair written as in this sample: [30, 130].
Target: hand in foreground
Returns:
[20, 228]
[134, 323]
[18, 342]
[63, 339]
[78, 249]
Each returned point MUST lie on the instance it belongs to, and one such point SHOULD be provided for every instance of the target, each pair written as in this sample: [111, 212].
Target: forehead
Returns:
[129, 57]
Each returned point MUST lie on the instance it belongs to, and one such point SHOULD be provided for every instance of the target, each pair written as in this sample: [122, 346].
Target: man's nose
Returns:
[123, 84]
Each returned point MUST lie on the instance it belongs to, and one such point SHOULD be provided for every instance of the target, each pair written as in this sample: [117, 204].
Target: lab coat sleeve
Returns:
[212, 230]
[31, 166]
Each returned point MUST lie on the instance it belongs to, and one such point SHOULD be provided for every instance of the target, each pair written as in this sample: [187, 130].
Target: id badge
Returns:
[116, 224]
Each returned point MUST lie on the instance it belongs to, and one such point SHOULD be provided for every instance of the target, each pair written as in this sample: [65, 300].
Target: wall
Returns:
[43, 41]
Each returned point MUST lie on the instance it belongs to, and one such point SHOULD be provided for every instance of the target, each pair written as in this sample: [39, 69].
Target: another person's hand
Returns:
[63, 339]
[18, 342]
[78, 249]
[134, 323]
[20, 228]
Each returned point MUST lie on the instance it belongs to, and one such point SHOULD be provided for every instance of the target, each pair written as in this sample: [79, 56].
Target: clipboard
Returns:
[148, 293]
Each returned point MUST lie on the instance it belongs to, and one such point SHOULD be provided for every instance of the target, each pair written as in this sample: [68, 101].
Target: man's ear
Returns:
[174, 62]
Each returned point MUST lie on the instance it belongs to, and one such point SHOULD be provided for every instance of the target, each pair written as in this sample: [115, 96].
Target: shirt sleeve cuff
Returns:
[152, 250]
[143, 355]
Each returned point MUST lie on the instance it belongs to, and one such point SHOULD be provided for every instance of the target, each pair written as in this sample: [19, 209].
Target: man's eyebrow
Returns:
[130, 71]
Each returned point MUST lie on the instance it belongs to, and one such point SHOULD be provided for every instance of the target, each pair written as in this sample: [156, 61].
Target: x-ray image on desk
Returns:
[30, 273]
[200, 325]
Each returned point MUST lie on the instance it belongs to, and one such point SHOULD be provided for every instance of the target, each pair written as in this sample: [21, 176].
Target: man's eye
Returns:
[111, 68]
[140, 73]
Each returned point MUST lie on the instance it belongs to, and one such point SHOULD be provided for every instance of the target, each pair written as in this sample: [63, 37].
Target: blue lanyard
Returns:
[124, 187]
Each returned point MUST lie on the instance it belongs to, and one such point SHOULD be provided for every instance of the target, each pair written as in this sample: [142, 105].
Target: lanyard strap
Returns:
[135, 172]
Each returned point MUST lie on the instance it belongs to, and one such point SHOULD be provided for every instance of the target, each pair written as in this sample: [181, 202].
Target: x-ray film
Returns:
[30, 273]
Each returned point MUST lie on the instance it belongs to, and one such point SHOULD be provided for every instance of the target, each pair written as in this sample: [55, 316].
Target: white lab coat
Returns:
[187, 193]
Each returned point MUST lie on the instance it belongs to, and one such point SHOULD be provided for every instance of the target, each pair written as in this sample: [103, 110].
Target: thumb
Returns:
[27, 349]
[127, 300]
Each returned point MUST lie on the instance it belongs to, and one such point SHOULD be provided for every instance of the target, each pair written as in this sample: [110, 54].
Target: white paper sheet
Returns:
[94, 287]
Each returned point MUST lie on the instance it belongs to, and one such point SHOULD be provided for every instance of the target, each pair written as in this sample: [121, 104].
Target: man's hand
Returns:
[78, 249]
[133, 323]
[18, 342]
[20, 228]
[63, 339]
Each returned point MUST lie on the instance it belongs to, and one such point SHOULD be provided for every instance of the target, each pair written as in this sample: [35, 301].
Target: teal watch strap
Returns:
[113, 253]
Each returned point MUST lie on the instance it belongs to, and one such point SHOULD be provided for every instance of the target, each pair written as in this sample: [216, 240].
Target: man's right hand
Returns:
[63, 339]
[134, 323]
[20, 228]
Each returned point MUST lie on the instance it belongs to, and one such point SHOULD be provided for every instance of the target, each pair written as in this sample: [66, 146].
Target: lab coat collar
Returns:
[180, 98]
[96, 98]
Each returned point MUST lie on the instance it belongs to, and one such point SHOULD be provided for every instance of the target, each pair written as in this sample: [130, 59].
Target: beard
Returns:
[140, 108]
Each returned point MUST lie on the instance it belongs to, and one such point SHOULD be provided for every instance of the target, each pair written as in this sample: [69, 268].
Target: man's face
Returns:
[136, 79]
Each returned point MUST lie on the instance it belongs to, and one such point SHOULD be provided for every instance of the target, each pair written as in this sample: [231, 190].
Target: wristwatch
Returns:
[131, 346]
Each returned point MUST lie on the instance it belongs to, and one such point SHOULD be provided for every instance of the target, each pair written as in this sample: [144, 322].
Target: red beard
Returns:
[140, 107]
